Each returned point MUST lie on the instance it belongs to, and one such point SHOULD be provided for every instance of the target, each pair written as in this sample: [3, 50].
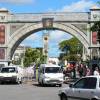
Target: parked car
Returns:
[87, 88]
[10, 74]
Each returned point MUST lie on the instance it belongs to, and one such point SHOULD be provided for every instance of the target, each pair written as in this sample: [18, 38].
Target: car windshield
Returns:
[7, 70]
[53, 70]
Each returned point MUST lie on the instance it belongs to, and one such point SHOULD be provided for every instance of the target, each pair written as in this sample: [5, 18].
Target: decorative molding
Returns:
[14, 27]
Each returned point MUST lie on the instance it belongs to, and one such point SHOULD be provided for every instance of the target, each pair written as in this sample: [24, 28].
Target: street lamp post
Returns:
[47, 25]
[45, 44]
[22, 59]
[78, 51]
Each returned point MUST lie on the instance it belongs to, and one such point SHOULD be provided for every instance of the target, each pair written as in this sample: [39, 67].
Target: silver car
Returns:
[86, 88]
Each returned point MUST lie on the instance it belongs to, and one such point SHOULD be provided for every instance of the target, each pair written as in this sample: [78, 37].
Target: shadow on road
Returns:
[38, 85]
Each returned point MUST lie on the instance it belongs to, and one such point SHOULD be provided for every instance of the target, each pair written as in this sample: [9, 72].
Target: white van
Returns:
[50, 74]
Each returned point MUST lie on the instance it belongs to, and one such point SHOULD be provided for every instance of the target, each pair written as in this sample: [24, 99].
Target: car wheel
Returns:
[60, 85]
[42, 83]
[39, 82]
[1, 82]
[94, 99]
[63, 97]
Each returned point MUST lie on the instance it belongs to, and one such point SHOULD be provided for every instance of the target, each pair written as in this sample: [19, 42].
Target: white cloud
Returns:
[81, 5]
[56, 34]
[59, 36]
[17, 1]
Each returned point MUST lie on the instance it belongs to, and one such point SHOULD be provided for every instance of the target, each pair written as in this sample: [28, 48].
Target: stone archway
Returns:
[19, 35]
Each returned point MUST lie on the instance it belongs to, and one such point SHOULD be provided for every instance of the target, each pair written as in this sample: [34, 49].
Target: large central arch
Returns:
[28, 29]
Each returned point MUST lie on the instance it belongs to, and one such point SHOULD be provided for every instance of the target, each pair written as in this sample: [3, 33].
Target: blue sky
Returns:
[36, 6]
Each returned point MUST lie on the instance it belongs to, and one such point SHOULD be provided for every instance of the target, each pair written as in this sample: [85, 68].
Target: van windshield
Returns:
[53, 70]
[7, 70]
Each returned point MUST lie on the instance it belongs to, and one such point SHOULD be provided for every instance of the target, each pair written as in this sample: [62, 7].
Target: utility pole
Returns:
[22, 59]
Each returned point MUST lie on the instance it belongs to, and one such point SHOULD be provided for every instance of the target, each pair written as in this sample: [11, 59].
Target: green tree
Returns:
[98, 3]
[33, 55]
[70, 48]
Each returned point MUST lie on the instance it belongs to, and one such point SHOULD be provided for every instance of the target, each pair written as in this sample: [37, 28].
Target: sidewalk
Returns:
[29, 81]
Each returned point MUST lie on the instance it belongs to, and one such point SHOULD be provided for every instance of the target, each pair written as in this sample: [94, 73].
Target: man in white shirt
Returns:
[96, 71]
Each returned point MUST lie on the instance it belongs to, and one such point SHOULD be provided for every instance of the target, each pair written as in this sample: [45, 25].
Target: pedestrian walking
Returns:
[96, 71]
[84, 70]
[80, 70]
[88, 72]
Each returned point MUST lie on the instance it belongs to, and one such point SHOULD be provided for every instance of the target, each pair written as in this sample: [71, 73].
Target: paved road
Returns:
[28, 91]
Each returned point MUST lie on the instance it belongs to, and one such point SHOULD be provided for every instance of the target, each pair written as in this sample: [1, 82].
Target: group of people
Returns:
[84, 70]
